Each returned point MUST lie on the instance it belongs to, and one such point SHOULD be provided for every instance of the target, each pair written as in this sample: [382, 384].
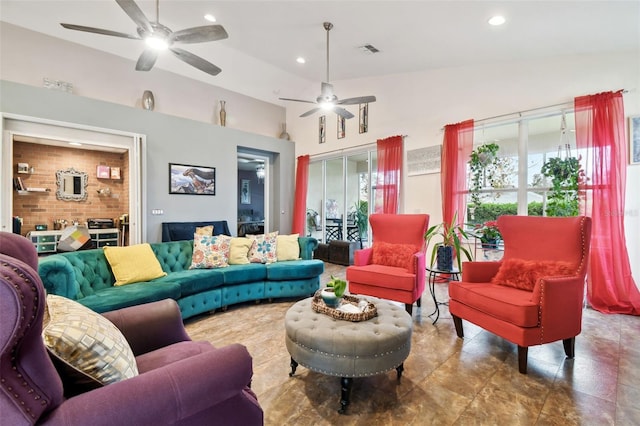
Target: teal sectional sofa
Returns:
[86, 276]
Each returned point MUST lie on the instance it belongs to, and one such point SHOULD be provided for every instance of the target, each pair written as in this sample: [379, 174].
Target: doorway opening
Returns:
[34, 150]
[253, 192]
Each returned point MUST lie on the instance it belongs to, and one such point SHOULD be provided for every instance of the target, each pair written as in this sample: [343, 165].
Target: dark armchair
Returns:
[180, 382]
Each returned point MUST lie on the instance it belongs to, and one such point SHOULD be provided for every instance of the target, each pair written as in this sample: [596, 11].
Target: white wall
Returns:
[27, 57]
[420, 104]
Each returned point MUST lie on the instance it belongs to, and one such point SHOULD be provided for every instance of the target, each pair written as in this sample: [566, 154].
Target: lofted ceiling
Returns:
[265, 37]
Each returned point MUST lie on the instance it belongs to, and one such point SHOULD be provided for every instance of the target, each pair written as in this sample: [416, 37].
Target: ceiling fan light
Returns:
[157, 43]
[260, 171]
[327, 106]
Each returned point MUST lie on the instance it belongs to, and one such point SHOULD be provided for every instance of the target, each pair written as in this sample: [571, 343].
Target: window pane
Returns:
[496, 181]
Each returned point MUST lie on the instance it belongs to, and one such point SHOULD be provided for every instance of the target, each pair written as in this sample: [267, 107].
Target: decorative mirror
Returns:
[72, 185]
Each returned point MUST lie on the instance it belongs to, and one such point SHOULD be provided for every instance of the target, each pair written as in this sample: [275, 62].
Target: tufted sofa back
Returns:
[174, 256]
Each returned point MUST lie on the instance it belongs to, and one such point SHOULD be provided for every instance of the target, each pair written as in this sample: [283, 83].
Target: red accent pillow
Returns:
[524, 274]
[400, 255]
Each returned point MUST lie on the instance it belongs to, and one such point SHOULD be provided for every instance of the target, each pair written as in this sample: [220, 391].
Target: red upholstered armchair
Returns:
[534, 295]
[180, 381]
[393, 267]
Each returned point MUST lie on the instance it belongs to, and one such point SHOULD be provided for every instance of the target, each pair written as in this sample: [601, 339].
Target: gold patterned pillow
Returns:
[87, 345]
[204, 230]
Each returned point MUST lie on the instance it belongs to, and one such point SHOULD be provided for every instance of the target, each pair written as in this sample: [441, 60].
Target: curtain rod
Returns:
[347, 149]
[519, 113]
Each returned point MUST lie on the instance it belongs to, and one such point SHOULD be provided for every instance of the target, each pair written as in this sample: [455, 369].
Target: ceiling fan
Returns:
[158, 37]
[327, 99]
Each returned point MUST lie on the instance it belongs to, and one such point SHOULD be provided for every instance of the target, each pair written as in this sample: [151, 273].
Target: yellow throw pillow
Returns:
[287, 247]
[87, 343]
[133, 264]
[239, 251]
[204, 230]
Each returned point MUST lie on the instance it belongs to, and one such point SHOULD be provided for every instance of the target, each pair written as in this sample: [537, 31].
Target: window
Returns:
[512, 182]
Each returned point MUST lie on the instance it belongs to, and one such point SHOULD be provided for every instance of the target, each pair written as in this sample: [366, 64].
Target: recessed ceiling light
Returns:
[301, 60]
[209, 17]
[497, 20]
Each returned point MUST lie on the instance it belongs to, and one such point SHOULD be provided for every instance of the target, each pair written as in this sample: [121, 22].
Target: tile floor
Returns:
[446, 381]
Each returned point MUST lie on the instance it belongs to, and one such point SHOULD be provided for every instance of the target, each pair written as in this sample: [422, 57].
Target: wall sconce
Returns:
[260, 172]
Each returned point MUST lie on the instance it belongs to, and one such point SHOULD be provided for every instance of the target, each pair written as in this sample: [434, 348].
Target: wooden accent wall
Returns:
[44, 208]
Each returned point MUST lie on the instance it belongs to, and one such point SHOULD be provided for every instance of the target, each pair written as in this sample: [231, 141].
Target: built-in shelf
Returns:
[33, 191]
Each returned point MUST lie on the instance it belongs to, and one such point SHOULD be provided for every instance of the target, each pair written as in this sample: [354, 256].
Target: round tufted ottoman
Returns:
[348, 349]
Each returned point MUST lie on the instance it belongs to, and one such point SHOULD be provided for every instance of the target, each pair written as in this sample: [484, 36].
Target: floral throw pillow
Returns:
[210, 251]
[263, 249]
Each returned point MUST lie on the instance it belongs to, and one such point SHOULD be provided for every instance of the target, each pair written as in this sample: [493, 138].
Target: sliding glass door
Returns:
[339, 197]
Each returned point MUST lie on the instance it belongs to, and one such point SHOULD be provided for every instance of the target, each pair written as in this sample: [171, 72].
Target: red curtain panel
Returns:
[456, 150]
[389, 171]
[600, 134]
[300, 200]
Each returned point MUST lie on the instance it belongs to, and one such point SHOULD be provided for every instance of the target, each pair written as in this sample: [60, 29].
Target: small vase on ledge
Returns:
[284, 135]
[148, 102]
[223, 113]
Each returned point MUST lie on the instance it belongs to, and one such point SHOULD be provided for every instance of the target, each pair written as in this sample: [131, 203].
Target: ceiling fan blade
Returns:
[195, 61]
[136, 15]
[358, 100]
[199, 34]
[297, 100]
[98, 31]
[342, 112]
[147, 59]
[311, 111]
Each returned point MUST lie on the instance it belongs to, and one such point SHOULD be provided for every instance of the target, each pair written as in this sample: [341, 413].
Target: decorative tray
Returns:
[369, 312]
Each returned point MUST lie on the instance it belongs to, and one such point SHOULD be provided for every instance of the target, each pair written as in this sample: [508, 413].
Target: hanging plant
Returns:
[481, 158]
[566, 177]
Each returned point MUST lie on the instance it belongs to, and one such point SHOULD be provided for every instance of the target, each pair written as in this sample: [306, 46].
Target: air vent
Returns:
[369, 48]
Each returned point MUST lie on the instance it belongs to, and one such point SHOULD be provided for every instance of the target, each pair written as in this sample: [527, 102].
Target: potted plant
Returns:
[450, 246]
[480, 159]
[488, 234]
[566, 176]
[362, 219]
[334, 291]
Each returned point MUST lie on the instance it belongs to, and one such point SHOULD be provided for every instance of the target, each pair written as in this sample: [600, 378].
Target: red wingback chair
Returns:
[394, 267]
[544, 263]
[180, 381]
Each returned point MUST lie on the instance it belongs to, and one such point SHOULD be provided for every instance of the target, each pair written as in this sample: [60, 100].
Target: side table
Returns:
[439, 276]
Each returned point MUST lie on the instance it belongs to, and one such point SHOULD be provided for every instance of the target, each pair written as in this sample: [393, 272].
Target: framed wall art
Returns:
[103, 172]
[423, 161]
[195, 180]
[245, 192]
[634, 140]
[115, 173]
[341, 127]
[322, 129]
[363, 118]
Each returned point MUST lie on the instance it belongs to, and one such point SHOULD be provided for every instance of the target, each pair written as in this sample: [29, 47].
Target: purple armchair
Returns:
[181, 382]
